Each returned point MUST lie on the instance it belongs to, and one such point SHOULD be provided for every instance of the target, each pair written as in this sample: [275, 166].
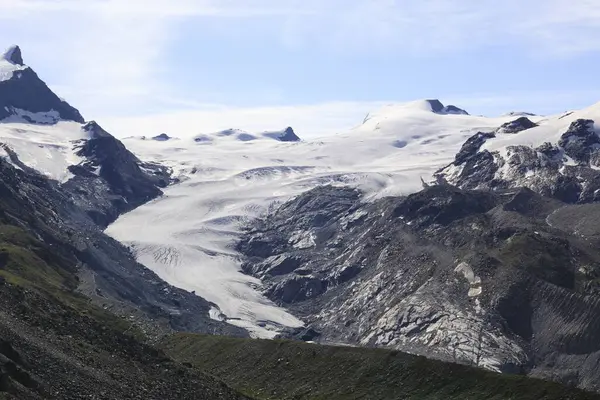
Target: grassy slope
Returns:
[292, 370]
[54, 329]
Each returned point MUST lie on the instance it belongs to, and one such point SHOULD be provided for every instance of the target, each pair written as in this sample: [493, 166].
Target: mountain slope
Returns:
[503, 278]
[281, 370]
[188, 235]
[496, 280]
[58, 346]
[64, 181]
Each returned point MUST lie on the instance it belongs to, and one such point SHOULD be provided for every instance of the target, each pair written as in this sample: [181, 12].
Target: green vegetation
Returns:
[32, 264]
[269, 370]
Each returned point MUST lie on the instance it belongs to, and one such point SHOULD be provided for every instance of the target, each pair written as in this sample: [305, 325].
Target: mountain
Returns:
[493, 264]
[481, 267]
[424, 229]
[24, 96]
[559, 158]
[73, 299]
[287, 135]
[225, 182]
[519, 114]
[491, 279]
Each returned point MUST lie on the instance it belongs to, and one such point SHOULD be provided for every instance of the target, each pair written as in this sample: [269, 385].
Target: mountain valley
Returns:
[422, 232]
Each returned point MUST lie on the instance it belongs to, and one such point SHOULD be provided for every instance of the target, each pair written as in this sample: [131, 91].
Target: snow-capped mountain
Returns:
[558, 156]
[444, 272]
[64, 180]
[493, 263]
[229, 178]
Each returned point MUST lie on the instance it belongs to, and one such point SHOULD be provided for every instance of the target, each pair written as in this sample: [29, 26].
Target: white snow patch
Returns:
[8, 69]
[474, 280]
[48, 149]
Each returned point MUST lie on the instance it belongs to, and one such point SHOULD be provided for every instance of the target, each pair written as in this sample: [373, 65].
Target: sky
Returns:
[317, 65]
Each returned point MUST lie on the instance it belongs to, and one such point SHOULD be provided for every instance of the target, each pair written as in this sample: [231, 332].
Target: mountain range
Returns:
[425, 230]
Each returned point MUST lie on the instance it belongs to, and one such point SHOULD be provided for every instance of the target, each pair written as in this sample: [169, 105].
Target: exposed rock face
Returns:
[518, 125]
[24, 90]
[13, 55]
[476, 277]
[112, 180]
[568, 170]
[163, 137]
[287, 135]
[439, 108]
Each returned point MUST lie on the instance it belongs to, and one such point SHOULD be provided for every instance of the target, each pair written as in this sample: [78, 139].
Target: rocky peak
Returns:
[566, 170]
[287, 135]
[23, 95]
[516, 126]
[439, 108]
[472, 146]
[13, 55]
[580, 140]
[163, 137]
[95, 131]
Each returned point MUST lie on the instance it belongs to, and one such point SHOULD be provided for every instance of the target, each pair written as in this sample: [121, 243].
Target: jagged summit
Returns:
[439, 108]
[286, 135]
[13, 55]
[25, 97]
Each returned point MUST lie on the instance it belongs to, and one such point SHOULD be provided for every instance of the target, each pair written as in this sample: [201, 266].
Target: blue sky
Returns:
[260, 63]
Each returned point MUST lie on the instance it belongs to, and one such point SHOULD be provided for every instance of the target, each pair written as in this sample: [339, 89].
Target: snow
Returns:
[549, 130]
[6, 157]
[474, 280]
[8, 68]
[187, 236]
[230, 177]
[47, 148]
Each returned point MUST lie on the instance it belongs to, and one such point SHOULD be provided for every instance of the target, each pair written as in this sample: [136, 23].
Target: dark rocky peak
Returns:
[163, 137]
[121, 180]
[580, 140]
[439, 108]
[287, 135]
[13, 55]
[103, 149]
[518, 125]
[471, 147]
[436, 105]
[95, 131]
[24, 95]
